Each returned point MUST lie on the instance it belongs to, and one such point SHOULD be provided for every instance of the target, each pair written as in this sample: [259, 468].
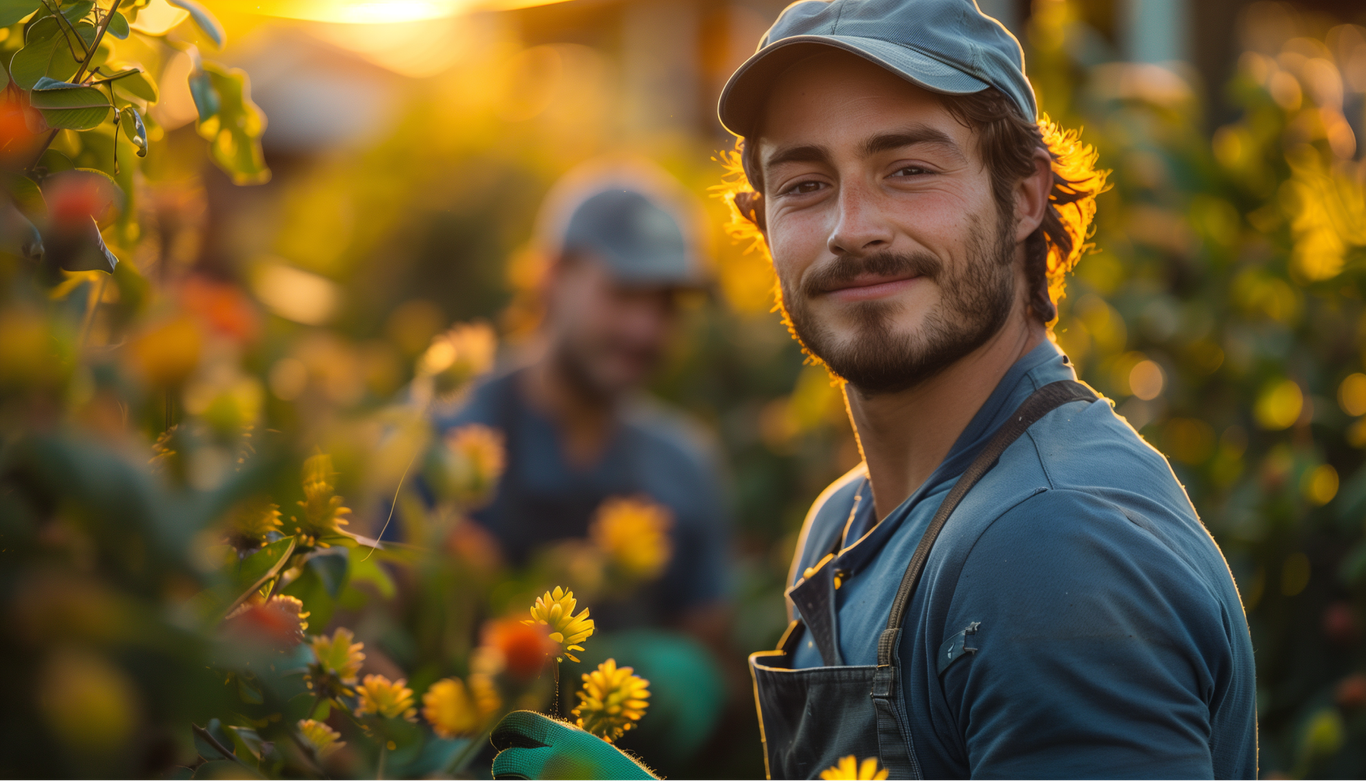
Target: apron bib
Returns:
[525, 511]
[809, 718]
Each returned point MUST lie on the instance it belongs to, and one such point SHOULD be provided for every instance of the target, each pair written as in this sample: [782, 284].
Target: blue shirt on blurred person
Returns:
[651, 452]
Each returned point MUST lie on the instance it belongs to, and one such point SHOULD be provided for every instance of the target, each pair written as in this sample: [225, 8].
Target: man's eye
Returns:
[912, 170]
[803, 188]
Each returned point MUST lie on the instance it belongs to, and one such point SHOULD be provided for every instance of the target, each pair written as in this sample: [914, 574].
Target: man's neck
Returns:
[584, 419]
[905, 435]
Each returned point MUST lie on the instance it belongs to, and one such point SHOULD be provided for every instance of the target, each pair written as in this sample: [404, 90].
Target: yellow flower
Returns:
[252, 521]
[458, 355]
[487, 700]
[612, 700]
[450, 709]
[392, 699]
[849, 767]
[634, 533]
[338, 662]
[323, 510]
[472, 463]
[320, 737]
[556, 611]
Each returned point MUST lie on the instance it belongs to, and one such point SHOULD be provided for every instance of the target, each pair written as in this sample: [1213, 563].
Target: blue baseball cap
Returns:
[638, 239]
[945, 46]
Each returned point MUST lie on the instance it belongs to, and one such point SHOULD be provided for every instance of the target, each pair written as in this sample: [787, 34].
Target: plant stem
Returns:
[379, 771]
[94, 47]
[63, 20]
[555, 699]
[212, 741]
[308, 751]
[97, 295]
[80, 74]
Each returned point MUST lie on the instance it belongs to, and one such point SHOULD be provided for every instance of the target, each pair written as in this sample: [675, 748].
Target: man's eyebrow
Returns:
[886, 142]
[809, 153]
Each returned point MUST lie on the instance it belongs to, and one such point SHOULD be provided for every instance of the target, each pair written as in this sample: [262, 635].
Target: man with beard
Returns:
[1013, 583]
[582, 440]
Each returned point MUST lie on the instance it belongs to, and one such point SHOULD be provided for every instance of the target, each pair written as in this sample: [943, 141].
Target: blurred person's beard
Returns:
[973, 306]
[575, 361]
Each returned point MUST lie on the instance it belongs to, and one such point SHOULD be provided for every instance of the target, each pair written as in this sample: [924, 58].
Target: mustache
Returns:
[845, 270]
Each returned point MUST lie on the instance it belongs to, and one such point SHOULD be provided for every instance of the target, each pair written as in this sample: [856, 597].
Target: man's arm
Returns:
[1099, 648]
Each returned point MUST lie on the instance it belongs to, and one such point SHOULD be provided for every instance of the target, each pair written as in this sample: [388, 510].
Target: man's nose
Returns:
[861, 227]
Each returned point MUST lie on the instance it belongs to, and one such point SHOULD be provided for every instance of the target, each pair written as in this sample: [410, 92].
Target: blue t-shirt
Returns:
[652, 451]
[1111, 639]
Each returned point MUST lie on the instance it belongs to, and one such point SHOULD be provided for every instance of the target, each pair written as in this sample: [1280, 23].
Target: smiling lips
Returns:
[866, 287]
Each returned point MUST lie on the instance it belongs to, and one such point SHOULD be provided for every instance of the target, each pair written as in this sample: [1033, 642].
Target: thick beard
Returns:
[975, 304]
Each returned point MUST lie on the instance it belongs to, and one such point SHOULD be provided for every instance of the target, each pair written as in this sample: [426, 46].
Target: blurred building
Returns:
[676, 54]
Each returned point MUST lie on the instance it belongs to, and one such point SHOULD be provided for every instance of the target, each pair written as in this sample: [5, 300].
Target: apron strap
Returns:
[1039, 403]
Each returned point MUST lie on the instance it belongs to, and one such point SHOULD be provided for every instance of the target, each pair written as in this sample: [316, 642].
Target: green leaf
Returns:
[30, 63]
[54, 162]
[205, 96]
[26, 195]
[331, 567]
[366, 568]
[253, 571]
[118, 26]
[246, 740]
[68, 105]
[204, 20]
[234, 130]
[250, 694]
[49, 51]
[77, 11]
[131, 79]
[18, 236]
[67, 56]
[309, 589]
[12, 11]
[131, 122]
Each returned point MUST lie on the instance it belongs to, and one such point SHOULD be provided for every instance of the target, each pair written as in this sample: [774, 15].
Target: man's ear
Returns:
[1031, 195]
[751, 206]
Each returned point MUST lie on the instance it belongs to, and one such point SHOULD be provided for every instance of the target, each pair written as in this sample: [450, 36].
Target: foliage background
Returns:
[1222, 312]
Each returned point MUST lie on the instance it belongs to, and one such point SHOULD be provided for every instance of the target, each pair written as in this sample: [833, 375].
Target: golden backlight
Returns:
[372, 11]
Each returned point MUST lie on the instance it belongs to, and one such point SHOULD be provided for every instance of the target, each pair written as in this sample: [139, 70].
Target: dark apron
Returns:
[810, 718]
[528, 519]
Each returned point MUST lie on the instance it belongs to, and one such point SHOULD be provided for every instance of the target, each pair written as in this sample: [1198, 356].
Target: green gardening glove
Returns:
[531, 745]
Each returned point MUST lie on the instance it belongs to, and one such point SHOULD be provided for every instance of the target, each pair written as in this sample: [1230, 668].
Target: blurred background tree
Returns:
[408, 148]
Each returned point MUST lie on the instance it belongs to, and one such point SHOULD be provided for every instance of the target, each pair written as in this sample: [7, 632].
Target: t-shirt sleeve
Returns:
[1098, 648]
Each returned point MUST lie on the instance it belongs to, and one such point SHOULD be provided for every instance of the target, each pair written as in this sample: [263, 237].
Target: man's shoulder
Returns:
[1088, 447]
[1083, 497]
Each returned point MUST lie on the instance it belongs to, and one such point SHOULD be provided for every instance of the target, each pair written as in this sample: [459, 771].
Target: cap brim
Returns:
[743, 97]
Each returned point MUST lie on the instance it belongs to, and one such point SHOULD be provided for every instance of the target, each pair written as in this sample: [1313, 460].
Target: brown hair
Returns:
[1006, 142]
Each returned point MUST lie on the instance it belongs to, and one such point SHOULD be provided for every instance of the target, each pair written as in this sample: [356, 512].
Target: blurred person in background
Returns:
[1013, 583]
[589, 455]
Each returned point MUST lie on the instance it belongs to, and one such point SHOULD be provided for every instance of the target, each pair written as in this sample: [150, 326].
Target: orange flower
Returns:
[519, 649]
[279, 623]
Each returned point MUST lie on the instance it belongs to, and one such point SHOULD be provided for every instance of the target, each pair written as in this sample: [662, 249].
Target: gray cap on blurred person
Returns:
[945, 46]
[640, 240]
